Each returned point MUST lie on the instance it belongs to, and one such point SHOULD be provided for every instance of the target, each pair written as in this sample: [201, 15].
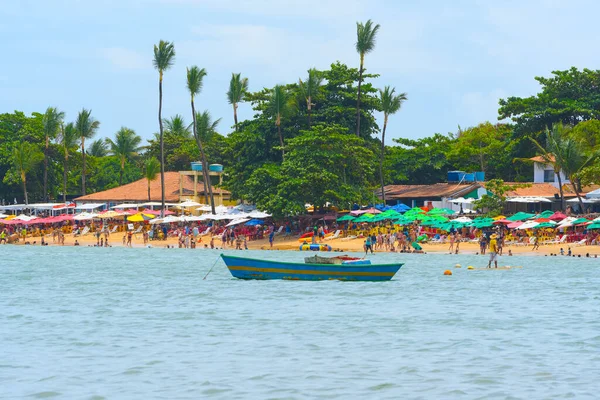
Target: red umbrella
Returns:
[557, 216]
[502, 221]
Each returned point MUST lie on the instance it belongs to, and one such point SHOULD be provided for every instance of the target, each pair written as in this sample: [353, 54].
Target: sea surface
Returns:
[142, 323]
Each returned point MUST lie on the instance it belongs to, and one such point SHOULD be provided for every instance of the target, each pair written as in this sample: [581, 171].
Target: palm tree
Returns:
[69, 140]
[87, 127]
[25, 158]
[195, 77]
[98, 148]
[310, 88]
[238, 87]
[205, 129]
[390, 104]
[365, 43]
[126, 147]
[164, 57]
[278, 105]
[52, 120]
[151, 169]
[176, 127]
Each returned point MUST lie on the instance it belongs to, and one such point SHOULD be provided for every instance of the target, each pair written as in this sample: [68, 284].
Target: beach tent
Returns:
[594, 194]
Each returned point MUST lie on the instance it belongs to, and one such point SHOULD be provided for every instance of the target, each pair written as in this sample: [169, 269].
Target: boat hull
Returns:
[249, 268]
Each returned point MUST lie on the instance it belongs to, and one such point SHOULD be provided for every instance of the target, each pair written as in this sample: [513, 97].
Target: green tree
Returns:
[125, 147]
[87, 127]
[26, 156]
[205, 129]
[69, 141]
[309, 89]
[390, 104]
[176, 126]
[279, 107]
[151, 170]
[569, 96]
[164, 57]
[52, 120]
[98, 148]
[365, 43]
[238, 87]
[493, 201]
[479, 147]
[195, 77]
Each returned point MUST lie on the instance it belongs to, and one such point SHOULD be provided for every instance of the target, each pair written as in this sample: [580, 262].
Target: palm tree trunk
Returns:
[162, 147]
[148, 190]
[281, 141]
[235, 121]
[385, 119]
[24, 179]
[578, 196]
[83, 166]
[309, 110]
[360, 74]
[562, 195]
[121, 175]
[65, 181]
[46, 170]
[199, 141]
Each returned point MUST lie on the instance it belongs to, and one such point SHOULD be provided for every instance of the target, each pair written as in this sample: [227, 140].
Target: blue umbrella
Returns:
[254, 222]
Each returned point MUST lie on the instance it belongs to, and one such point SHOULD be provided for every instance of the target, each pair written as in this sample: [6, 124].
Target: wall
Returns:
[538, 174]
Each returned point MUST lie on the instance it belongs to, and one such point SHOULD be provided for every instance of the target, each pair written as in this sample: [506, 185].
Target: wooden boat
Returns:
[250, 268]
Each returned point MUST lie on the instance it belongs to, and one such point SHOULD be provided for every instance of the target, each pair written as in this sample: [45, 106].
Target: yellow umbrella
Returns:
[499, 217]
[139, 217]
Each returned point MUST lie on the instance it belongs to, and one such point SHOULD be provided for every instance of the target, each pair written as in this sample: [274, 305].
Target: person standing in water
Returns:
[493, 251]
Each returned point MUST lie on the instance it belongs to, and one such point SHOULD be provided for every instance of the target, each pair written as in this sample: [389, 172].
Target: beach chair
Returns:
[279, 230]
[334, 236]
[82, 232]
[351, 237]
[556, 241]
[206, 232]
[138, 231]
[580, 243]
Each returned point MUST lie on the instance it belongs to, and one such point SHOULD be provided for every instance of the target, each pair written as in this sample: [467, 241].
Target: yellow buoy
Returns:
[470, 267]
[457, 266]
[447, 272]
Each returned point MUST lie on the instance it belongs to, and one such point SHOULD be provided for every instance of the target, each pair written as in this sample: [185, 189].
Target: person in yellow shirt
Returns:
[493, 252]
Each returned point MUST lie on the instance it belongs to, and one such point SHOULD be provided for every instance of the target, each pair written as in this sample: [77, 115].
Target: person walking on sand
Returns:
[458, 238]
[493, 251]
[452, 239]
[536, 242]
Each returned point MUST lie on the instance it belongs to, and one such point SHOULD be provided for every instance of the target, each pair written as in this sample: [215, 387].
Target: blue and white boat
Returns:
[250, 268]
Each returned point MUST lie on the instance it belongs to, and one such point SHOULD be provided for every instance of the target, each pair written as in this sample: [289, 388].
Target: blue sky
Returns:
[454, 59]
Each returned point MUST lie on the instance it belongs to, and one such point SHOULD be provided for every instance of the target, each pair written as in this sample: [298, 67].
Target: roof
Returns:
[540, 159]
[428, 191]
[545, 190]
[138, 190]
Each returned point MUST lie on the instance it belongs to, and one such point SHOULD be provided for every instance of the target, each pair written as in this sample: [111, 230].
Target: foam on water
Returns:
[96, 323]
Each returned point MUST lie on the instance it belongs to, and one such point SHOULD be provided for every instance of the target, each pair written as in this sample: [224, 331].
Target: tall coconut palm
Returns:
[69, 140]
[195, 78]
[151, 169]
[238, 87]
[26, 156]
[87, 127]
[126, 147]
[52, 120]
[278, 104]
[176, 127]
[310, 88]
[365, 43]
[205, 129]
[390, 104]
[98, 148]
[164, 57]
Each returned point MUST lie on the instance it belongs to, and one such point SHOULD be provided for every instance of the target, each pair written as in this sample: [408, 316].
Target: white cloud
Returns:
[125, 58]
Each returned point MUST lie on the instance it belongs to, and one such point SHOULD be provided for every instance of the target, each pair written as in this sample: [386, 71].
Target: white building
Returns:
[544, 173]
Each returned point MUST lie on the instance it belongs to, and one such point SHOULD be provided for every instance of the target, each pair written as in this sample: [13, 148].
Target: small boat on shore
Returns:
[348, 270]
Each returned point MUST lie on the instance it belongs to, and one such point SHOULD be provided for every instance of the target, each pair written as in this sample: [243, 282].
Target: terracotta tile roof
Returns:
[546, 190]
[540, 159]
[138, 190]
[428, 191]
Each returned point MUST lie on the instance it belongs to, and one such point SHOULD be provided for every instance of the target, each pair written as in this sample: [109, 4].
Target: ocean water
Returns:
[117, 323]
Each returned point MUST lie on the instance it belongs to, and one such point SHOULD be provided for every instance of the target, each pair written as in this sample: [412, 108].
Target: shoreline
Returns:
[338, 245]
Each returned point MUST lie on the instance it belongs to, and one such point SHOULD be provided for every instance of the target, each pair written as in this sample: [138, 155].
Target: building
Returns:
[544, 173]
[178, 187]
[435, 195]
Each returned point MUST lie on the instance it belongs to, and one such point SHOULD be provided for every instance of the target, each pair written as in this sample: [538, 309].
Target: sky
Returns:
[454, 60]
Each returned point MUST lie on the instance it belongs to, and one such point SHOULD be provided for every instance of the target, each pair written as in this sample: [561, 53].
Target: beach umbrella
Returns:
[557, 216]
[580, 221]
[514, 225]
[546, 225]
[109, 214]
[520, 216]
[502, 222]
[346, 217]
[365, 218]
[545, 214]
[528, 225]
[3, 215]
[254, 222]
[238, 221]
[139, 217]
[595, 225]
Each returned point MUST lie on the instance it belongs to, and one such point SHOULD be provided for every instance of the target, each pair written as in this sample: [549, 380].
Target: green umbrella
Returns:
[594, 225]
[365, 218]
[579, 221]
[545, 214]
[346, 217]
[520, 216]
[545, 225]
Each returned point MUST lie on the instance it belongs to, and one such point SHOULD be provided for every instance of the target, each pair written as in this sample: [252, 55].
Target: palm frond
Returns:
[366, 35]
[195, 79]
[164, 55]
[238, 87]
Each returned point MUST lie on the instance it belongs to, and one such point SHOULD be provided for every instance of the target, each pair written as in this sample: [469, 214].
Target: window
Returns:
[548, 175]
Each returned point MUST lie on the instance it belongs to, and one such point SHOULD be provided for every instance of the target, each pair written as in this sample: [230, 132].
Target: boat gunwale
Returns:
[318, 265]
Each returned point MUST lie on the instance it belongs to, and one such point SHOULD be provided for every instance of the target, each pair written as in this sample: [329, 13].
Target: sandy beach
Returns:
[338, 245]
